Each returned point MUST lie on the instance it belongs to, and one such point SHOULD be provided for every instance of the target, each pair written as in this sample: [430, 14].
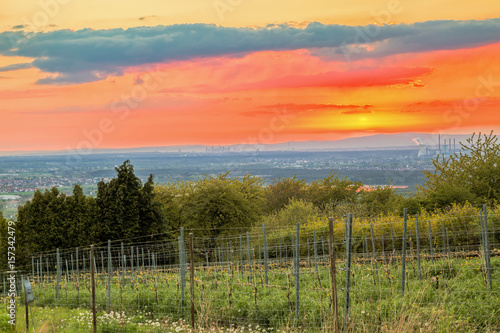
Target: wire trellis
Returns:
[278, 279]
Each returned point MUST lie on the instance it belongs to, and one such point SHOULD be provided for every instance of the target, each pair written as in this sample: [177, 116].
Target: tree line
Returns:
[123, 208]
[217, 206]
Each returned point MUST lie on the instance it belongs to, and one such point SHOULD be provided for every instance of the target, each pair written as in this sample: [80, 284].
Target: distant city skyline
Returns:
[86, 75]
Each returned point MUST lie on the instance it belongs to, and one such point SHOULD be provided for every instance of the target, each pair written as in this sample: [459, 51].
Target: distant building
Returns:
[10, 197]
[423, 151]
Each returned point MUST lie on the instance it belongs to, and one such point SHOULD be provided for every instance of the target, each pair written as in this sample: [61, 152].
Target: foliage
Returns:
[123, 208]
[4, 236]
[81, 213]
[330, 191]
[381, 200]
[282, 190]
[472, 175]
[42, 224]
[213, 206]
[295, 211]
[126, 208]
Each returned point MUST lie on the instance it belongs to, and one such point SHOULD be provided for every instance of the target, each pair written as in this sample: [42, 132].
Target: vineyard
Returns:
[394, 274]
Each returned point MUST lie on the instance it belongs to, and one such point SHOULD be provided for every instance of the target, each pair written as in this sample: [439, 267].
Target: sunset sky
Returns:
[89, 74]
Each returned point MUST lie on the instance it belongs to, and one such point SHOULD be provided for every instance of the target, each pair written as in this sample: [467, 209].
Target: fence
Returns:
[345, 275]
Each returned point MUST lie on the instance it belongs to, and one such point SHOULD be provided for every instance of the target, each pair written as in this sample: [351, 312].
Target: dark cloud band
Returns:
[90, 55]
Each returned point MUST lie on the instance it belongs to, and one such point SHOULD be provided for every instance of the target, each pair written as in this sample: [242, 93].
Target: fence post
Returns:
[487, 245]
[182, 253]
[286, 250]
[403, 255]
[123, 265]
[72, 265]
[92, 272]
[323, 245]
[180, 275]
[280, 251]
[137, 261]
[149, 261]
[383, 246]
[348, 272]
[110, 267]
[393, 244]
[242, 269]
[58, 279]
[102, 265]
[95, 265]
[297, 271]
[447, 244]
[229, 255]
[77, 277]
[315, 252]
[40, 265]
[220, 261]
[260, 252]
[249, 258]
[365, 248]
[430, 242]
[38, 272]
[132, 266]
[191, 285]
[26, 303]
[444, 239]
[345, 229]
[308, 254]
[143, 266]
[226, 253]
[67, 274]
[373, 249]
[333, 272]
[47, 265]
[266, 255]
[153, 269]
[418, 247]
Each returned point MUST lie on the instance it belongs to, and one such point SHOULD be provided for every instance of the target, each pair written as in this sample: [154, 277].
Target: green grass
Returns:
[460, 300]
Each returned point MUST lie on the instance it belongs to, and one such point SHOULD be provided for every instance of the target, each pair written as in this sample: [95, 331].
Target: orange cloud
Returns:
[356, 112]
[225, 100]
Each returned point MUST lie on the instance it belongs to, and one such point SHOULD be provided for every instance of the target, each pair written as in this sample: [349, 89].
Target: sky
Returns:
[80, 75]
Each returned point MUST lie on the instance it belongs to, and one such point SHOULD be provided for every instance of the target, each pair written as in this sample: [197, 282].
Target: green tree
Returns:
[126, 208]
[173, 197]
[41, 224]
[381, 200]
[296, 210]
[213, 206]
[282, 190]
[4, 236]
[472, 175]
[152, 218]
[123, 209]
[81, 215]
[332, 190]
